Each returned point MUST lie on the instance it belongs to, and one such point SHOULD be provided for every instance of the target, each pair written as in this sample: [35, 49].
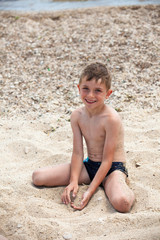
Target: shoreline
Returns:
[40, 6]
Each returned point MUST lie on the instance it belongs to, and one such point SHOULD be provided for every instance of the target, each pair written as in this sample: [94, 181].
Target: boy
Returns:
[101, 127]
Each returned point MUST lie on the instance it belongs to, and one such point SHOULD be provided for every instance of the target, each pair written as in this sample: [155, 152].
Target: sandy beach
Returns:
[41, 58]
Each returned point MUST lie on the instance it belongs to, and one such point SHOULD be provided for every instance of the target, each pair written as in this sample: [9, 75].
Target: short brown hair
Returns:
[98, 71]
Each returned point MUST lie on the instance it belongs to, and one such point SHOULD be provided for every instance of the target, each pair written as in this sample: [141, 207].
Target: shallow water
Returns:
[49, 5]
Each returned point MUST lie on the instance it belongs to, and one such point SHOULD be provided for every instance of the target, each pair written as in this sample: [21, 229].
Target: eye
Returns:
[98, 90]
[85, 88]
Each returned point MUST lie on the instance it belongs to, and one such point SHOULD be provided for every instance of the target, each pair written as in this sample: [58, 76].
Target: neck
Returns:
[95, 112]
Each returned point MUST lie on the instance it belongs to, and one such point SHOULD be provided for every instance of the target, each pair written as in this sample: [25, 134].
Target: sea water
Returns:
[51, 5]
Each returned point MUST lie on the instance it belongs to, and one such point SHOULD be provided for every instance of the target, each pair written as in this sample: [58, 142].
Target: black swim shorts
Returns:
[92, 167]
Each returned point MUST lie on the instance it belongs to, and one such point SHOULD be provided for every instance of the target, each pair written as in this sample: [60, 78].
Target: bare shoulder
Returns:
[76, 114]
[112, 118]
[112, 114]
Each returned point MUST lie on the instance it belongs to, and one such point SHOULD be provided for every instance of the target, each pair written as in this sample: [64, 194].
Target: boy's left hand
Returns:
[85, 199]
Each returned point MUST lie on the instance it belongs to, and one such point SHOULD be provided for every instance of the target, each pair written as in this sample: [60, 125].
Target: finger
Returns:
[63, 198]
[75, 190]
[77, 207]
[67, 196]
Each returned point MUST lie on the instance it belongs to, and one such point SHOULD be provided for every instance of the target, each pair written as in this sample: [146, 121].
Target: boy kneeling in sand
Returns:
[102, 129]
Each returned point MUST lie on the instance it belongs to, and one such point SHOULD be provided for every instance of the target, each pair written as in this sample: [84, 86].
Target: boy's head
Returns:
[97, 71]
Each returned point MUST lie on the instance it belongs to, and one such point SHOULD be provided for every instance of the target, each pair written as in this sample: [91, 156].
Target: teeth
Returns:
[90, 101]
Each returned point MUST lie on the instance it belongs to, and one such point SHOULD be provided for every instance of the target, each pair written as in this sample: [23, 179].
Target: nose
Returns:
[91, 94]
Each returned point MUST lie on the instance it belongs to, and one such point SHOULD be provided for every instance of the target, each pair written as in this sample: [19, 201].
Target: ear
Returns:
[78, 87]
[109, 92]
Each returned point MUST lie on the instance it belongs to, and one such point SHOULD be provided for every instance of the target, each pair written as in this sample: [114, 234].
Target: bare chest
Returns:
[93, 131]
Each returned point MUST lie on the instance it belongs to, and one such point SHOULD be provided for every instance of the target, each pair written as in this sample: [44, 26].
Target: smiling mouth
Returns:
[90, 101]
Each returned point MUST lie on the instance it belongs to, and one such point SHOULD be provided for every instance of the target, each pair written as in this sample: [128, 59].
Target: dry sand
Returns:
[41, 57]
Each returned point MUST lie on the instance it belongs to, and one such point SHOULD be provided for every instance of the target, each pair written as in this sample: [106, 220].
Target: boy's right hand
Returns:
[66, 196]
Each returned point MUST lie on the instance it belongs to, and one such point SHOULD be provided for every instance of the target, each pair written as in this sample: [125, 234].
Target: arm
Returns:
[112, 131]
[76, 161]
[77, 154]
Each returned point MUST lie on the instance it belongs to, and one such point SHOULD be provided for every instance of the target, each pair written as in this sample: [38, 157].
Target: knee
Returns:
[122, 204]
[37, 178]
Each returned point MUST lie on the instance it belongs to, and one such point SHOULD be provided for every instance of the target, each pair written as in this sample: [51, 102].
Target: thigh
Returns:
[118, 192]
[58, 175]
[84, 177]
[115, 184]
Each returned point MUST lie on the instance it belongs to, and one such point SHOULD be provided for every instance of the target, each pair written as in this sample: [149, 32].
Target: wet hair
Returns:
[97, 71]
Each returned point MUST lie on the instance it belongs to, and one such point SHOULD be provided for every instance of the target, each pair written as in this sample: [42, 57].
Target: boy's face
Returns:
[93, 93]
